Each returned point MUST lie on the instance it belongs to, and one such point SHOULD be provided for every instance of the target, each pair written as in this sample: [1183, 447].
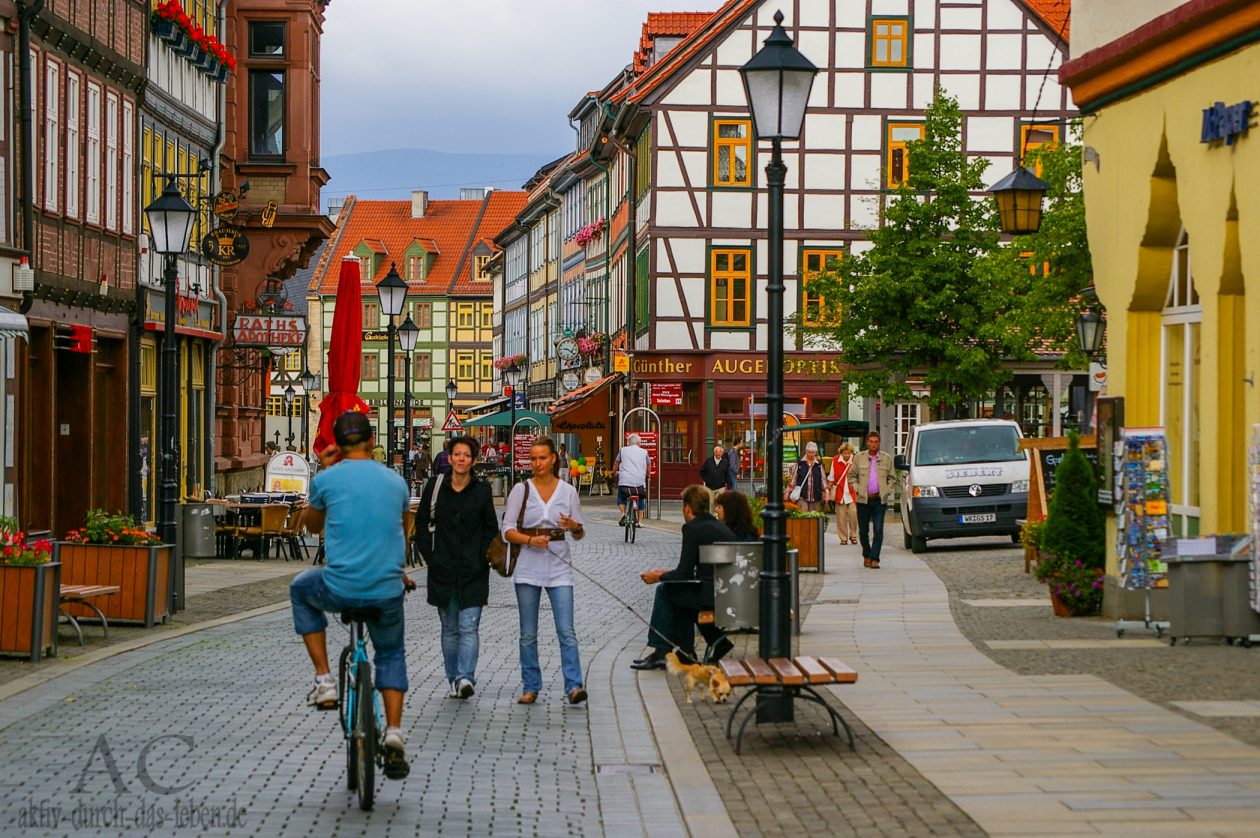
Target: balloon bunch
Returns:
[577, 466]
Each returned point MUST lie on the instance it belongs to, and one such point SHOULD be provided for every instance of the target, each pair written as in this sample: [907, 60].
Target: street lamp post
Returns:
[512, 375]
[170, 220]
[408, 333]
[393, 294]
[290, 395]
[777, 81]
[1089, 335]
[310, 382]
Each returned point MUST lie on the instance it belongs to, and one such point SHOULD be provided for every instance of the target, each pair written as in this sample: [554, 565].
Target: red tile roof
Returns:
[448, 226]
[665, 25]
[501, 208]
[1054, 13]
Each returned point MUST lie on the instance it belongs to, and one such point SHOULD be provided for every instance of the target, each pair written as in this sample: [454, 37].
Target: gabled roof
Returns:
[1054, 13]
[429, 245]
[447, 226]
[665, 25]
[375, 245]
[499, 210]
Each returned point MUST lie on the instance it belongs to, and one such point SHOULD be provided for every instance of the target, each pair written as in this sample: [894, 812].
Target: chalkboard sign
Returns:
[1047, 454]
[1050, 461]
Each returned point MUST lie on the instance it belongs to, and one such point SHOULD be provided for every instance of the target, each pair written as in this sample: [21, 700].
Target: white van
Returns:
[963, 478]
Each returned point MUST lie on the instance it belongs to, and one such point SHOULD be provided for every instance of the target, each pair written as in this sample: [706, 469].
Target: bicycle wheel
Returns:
[343, 679]
[634, 525]
[365, 736]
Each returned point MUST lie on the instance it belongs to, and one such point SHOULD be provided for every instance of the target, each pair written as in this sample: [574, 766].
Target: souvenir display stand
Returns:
[1142, 523]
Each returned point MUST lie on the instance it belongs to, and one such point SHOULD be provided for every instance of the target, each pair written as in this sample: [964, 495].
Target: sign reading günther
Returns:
[269, 330]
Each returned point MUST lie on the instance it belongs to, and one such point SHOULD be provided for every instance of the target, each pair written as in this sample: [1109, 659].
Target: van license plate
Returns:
[981, 518]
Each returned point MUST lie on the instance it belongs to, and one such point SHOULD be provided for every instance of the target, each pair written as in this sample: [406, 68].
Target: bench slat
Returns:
[843, 672]
[762, 672]
[788, 674]
[735, 672]
[815, 672]
[705, 618]
[83, 591]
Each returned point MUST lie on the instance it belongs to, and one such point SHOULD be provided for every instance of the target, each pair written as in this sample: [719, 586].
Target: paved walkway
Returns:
[1051, 755]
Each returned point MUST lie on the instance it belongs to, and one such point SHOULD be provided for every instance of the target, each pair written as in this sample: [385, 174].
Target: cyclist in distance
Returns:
[358, 503]
[631, 468]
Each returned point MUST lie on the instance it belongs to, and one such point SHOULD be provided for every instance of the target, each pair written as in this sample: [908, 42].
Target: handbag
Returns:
[425, 542]
[795, 496]
[502, 555]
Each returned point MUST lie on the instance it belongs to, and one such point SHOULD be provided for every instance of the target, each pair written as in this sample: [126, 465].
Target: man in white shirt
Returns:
[631, 468]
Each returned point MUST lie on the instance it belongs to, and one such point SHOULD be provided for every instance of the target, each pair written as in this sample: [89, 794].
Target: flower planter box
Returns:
[28, 609]
[205, 62]
[166, 30]
[142, 572]
[183, 45]
[806, 535]
[219, 73]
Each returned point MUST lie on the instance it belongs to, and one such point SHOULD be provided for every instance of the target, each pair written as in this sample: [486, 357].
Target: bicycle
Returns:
[359, 708]
[632, 515]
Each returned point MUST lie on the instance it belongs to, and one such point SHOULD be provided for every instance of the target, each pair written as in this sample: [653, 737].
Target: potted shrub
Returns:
[1071, 541]
[112, 550]
[29, 589]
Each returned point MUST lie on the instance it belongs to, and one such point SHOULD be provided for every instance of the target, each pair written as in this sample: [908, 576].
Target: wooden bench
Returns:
[793, 677]
[83, 594]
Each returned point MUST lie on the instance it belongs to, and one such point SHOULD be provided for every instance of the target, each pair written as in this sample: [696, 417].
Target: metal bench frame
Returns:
[84, 598]
[803, 691]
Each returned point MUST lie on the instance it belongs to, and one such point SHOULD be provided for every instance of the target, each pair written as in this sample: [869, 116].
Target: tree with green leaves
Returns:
[915, 305]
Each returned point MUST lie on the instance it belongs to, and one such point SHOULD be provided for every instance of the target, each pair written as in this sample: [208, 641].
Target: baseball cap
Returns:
[351, 428]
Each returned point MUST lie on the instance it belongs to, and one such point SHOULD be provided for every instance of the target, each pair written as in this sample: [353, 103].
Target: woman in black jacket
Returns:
[732, 509]
[459, 576]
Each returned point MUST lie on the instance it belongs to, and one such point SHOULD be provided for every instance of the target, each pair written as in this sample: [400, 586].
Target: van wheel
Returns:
[1017, 537]
[918, 544]
[905, 539]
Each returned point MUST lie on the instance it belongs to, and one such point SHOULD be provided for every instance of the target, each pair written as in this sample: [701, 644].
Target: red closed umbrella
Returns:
[344, 353]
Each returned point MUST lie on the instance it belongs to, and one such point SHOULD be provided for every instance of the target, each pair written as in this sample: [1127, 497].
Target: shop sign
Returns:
[225, 246]
[269, 213]
[670, 394]
[570, 381]
[1225, 123]
[226, 205]
[288, 472]
[375, 336]
[593, 375]
[269, 330]
[733, 365]
[190, 312]
[621, 362]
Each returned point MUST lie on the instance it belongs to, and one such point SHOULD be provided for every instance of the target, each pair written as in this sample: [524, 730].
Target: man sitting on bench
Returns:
[685, 591]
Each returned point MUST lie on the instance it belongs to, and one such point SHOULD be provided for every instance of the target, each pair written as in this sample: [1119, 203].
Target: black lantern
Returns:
[392, 291]
[309, 380]
[1089, 332]
[408, 334]
[451, 391]
[512, 375]
[1019, 196]
[170, 220]
[777, 81]
[289, 395]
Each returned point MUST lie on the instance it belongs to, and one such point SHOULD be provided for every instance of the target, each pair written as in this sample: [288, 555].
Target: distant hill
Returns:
[384, 175]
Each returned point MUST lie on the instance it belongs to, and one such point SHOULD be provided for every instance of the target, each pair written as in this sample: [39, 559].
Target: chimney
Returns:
[473, 193]
[334, 208]
[419, 203]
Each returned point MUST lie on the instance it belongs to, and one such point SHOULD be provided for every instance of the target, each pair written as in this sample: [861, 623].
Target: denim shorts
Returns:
[311, 599]
[624, 493]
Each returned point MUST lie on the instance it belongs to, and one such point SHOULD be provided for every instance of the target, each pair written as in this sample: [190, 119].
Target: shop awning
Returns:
[12, 324]
[575, 398]
[493, 404]
[503, 419]
[839, 427]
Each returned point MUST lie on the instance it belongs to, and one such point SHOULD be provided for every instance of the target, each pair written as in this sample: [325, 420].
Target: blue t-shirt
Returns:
[363, 536]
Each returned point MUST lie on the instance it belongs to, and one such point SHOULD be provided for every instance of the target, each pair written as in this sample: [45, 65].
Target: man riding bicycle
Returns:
[358, 503]
[631, 468]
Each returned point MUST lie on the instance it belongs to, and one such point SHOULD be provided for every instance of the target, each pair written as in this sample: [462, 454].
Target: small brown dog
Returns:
[697, 675]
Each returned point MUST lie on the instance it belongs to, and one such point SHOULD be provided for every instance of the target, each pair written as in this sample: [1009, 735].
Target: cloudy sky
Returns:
[474, 76]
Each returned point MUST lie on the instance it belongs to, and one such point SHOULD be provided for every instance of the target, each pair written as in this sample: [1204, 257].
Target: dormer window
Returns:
[479, 270]
[415, 268]
[418, 259]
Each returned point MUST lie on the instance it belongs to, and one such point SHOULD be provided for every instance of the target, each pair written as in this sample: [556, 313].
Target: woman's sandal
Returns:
[527, 698]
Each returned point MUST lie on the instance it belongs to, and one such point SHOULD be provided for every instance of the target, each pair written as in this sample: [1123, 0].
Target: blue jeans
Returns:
[310, 599]
[871, 514]
[459, 640]
[527, 599]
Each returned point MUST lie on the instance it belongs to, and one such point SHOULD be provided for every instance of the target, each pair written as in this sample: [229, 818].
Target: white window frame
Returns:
[74, 103]
[1181, 313]
[52, 135]
[92, 155]
[905, 416]
[128, 167]
[111, 161]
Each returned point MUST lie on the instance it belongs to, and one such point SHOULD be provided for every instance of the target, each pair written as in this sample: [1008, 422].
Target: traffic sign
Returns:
[452, 423]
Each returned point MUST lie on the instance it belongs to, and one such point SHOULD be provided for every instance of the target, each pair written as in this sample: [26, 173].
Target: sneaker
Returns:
[396, 766]
[324, 694]
[452, 692]
[464, 688]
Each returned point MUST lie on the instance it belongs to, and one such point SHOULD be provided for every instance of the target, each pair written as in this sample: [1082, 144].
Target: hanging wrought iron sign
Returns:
[225, 246]
[226, 205]
[269, 213]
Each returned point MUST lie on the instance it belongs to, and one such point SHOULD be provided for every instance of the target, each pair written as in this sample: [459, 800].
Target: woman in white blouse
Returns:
[551, 510]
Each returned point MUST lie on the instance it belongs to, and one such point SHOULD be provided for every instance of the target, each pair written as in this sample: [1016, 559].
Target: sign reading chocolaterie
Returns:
[726, 365]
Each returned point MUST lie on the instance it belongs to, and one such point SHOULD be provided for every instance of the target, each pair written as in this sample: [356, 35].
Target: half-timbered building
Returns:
[699, 295]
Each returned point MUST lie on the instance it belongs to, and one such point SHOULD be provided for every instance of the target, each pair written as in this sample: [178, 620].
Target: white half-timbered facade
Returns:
[701, 319]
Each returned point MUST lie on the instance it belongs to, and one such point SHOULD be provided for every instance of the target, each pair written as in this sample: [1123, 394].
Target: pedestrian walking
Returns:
[844, 497]
[564, 462]
[873, 481]
[442, 462]
[810, 478]
[464, 525]
[552, 510]
[715, 473]
[733, 455]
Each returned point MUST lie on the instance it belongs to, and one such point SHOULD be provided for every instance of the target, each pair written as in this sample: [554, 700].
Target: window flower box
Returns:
[166, 30]
[204, 62]
[508, 360]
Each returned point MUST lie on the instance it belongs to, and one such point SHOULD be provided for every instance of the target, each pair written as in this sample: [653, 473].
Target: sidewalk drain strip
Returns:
[625, 768]
[830, 602]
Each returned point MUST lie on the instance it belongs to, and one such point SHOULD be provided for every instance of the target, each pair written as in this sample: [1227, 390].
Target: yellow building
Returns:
[1174, 229]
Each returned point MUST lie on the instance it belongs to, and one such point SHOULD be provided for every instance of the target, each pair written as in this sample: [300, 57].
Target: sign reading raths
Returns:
[269, 330]
[225, 246]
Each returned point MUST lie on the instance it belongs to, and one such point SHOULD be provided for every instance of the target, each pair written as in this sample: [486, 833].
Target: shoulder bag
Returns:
[795, 496]
[502, 555]
[425, 541]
